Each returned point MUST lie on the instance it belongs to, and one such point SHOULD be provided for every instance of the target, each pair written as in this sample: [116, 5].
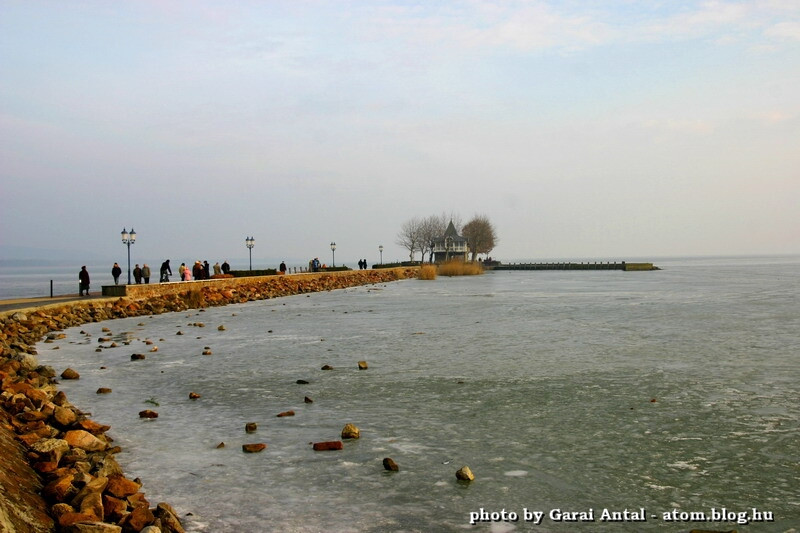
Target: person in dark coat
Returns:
[116, 271]
[137, 274]
[206, 270]
[283, 267]
[166, 271]
[226, 268]
[83, 277]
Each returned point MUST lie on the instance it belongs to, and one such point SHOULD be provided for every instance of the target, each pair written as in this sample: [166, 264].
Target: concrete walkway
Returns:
[33, 303]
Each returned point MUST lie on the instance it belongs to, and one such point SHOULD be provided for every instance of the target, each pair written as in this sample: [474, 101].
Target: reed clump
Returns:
[194, 299]
[460, 268]
[427, 272]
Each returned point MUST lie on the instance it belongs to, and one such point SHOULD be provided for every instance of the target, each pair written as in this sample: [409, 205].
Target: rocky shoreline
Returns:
[59, 471]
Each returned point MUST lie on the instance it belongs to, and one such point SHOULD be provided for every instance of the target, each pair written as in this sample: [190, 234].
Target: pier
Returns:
[624, 266]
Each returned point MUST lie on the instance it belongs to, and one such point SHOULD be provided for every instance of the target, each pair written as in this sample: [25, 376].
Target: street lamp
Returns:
[380, 249]
[333, 253]
[250, 242]
[127, 240]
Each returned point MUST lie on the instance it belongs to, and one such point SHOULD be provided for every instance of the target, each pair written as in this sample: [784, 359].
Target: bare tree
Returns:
[410, 236]
[432, 228]
[480, 235]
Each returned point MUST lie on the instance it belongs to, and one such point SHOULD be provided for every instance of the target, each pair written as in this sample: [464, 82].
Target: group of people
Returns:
[199, 271]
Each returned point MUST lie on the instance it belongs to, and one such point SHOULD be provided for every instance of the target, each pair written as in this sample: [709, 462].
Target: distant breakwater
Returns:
[59, 470]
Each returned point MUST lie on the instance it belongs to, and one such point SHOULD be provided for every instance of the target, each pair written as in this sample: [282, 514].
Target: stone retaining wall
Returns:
[58, 469]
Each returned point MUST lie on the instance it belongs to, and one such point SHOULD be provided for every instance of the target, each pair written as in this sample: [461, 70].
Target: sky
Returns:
[588, 129]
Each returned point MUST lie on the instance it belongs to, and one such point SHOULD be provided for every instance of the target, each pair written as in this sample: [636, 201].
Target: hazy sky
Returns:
[582, 129]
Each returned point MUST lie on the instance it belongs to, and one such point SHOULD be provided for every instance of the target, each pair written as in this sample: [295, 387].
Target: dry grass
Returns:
[194, 299]
[427, 272]
[460, 268]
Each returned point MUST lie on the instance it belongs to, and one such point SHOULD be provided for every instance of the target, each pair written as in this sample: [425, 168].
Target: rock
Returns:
[465, 474]
[50, 449]
[220, 445]
[390, 465]
[350, 432]
[61, 509]
[103, 390]
[362, 365]
[138, 519]
[302, 382]
[327, 367]
[286, 413]
[60, 489]
[64, 416]
[70, 374]
[169, 518]
[308, 400]
[78, 438]
[147, 413]
[251, 427]
[154, 349]
[254, 448]
[137, 357]
[221, 328]
[193, 396]
[328, 445]
[179, 333]
[121, 487]
[60, 398]
[114, 508]
[207, 352]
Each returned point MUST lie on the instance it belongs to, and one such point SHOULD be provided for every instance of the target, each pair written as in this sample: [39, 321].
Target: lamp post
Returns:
[333, 254]
[380, 249]
[250, 242]
[127, 240]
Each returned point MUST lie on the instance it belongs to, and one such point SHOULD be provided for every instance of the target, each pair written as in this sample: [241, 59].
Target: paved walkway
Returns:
[32, 303]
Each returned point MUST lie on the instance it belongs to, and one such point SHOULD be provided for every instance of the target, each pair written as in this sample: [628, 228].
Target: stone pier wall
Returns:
[58, 470]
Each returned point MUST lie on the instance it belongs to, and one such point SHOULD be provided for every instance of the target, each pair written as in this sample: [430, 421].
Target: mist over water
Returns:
[673, 390]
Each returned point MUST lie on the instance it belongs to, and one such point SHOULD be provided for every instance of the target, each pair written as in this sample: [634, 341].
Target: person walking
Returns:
[166, 271]
[116, 271]
[137, 274]
[83, 277]
[217, 269]
[146, 273]
[181, 270]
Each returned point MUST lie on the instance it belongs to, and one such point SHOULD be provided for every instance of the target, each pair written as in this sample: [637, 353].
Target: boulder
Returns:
[254, 448]
[251, 427]
[69, 373]
[286, 413]
[64, 416]
[465, 474]
[350, 431]
[147, 413]
[193, 396]
[328, 445]
[78, 438]
[50, 449]
[390, 465]
[362, 365]
[121, 487]
[138, 519]
[103, 390]
[137, 356]
[169, 518]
